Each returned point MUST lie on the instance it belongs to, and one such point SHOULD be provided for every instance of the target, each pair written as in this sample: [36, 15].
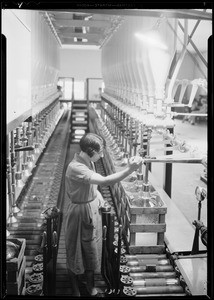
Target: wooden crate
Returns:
[17, 287]
[15, 263]
[148, 222]
[151, 223]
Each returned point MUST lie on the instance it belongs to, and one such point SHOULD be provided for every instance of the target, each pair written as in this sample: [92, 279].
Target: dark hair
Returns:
[90, 143]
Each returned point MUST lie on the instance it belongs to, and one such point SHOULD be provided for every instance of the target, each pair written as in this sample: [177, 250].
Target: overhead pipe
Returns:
[103, 67]
[111, 74]
[141, 80]
[179, 63]
[149, 104]
[132, 66]
[119, 59]
[128, 64]
[137, 62]
[122, 46]
[117, 62]
[116, 75]
[113, 77]
[118, 71]
[122, 66]
[148, 101]
[126, 58]
[160, 56]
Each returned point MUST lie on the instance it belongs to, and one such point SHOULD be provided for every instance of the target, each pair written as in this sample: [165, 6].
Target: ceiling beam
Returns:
[82, 35]
[193, 45]
[65, 30]
[169, 13]
[71, 42]
[191, 55]
[81, 23]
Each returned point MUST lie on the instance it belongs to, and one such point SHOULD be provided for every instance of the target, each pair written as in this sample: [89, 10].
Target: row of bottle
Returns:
[24, 146]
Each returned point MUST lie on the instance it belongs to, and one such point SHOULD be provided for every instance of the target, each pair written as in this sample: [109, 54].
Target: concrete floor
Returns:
[186, 177]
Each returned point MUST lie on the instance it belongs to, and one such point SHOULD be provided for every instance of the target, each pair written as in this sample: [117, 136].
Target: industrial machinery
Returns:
[149, 247]
[151, 261]
[140, 255]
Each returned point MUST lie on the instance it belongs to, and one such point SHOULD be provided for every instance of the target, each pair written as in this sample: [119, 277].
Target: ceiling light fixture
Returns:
[84, 29]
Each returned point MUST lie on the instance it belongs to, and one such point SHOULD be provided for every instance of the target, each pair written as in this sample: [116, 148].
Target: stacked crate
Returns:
[144, 226]
[15, 270]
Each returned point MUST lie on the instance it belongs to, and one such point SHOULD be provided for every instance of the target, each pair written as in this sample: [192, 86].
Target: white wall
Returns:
[32, 64]
[16, 28]
[44, 63]
[80, 64]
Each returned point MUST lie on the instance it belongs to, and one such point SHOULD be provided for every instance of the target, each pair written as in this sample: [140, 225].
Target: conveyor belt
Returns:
[42, 191]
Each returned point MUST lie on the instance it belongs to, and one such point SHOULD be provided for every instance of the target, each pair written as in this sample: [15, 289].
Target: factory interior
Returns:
[142, 80]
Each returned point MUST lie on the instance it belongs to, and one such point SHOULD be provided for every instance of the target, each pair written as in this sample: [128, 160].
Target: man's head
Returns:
[93, 145]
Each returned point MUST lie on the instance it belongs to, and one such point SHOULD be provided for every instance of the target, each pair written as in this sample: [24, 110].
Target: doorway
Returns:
[67, 88]
[79, 90]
